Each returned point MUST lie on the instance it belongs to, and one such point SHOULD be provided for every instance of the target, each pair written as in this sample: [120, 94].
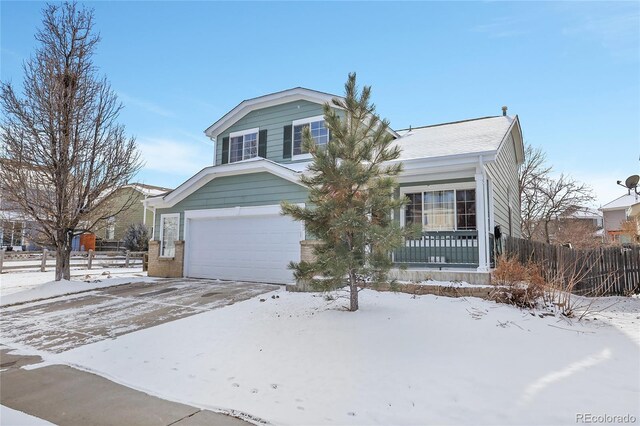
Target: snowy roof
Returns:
[149, 190]
[622, 202]
[585, 213]
[460, 137]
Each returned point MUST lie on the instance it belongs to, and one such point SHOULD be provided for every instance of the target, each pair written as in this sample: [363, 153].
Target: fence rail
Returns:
[41, 260]
[440, 248]
[603, 271]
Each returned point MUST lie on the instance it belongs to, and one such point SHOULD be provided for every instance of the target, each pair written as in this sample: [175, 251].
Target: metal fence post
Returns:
[126, 259]
[90, 259]
[1, 259]
[43, 264]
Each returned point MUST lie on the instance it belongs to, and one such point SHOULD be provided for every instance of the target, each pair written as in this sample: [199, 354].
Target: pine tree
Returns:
[351, 183]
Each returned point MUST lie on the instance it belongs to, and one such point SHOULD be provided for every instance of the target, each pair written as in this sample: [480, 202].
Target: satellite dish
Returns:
[632, 181]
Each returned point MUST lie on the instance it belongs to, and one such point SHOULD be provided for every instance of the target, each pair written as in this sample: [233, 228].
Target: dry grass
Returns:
[518, 284]
[527, 286]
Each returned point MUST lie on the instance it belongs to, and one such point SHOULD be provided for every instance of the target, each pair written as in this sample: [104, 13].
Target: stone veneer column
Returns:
[306, 255]
[166, 267]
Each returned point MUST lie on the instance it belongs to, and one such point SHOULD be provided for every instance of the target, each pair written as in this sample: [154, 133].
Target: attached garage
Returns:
[241, 243]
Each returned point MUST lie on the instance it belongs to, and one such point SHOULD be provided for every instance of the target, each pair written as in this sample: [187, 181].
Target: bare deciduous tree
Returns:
[545, 199]
[62, 150]
[532, 171]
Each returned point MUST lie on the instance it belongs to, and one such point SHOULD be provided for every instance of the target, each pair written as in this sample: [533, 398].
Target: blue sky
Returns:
[570, 70]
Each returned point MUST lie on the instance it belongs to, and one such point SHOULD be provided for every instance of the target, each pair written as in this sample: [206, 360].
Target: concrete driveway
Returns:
[63, 323]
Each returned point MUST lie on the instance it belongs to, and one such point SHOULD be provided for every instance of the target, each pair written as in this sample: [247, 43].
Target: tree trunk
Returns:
[546, 231]
[63, 258]
[353, 296]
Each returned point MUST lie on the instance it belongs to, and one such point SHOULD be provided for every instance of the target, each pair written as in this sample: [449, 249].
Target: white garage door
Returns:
[245, 248]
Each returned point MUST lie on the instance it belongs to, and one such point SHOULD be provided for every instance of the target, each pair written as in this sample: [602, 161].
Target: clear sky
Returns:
[570, 70]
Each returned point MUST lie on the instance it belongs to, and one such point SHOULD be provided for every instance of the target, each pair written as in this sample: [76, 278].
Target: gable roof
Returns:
[272, 99]
[206, 175]
[148, 190]
[474, 136]
[622, 202]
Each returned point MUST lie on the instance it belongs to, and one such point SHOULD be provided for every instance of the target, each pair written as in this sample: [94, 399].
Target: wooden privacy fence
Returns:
[602, 271]
[41, 260]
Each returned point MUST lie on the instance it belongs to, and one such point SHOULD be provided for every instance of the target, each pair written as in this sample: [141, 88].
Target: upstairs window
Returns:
[319, 133]
[243, 145]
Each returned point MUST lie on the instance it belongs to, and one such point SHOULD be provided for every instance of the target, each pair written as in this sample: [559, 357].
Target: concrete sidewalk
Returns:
[67, 396]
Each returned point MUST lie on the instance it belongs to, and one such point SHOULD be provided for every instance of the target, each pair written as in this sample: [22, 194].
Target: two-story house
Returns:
[623, 210]
[128, 209]
[461, 180]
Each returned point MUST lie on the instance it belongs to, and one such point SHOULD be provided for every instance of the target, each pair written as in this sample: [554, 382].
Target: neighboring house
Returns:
[587, 215]
[17, 232]
[131, 195]
[622, 212]
[224, 222]
[579, 226]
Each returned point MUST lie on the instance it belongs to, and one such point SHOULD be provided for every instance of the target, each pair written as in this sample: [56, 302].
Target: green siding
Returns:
[273, 119]
[256, 189]
[504, 173]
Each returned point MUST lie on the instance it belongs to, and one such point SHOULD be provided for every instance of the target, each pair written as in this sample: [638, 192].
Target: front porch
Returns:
[443, 250]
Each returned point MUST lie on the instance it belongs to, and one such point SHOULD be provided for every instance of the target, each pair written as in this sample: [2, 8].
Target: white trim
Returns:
[307, 120]
[294, 123]
[492, 221]
[248, 211]
[206, 175]
[153, 227]
[168, 216]
[519, 146]
[271, 209]
[273, 99]
[444, 163]
[305, 156]
[438, 187]
[243, 133]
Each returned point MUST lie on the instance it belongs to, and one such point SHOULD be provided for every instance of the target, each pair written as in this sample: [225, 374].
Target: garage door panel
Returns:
[246, 248]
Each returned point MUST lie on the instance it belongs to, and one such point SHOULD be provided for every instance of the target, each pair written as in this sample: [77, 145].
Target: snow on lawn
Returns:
[299, 359]
[16, 287]
[12, 417]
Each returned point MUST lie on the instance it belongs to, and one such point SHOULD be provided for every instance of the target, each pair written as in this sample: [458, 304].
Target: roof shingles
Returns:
[462, 137]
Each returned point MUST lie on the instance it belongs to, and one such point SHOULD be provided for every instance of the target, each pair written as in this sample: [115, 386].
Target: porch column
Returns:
[481, 222]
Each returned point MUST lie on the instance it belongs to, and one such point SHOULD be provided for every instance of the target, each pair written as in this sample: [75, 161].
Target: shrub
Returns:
[136, 238]
[517, 284]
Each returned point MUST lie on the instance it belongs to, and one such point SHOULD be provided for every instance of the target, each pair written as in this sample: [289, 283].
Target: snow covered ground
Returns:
[297, 358]
[10, 417]
[18, 287]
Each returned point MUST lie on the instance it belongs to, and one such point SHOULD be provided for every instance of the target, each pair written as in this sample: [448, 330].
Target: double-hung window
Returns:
[444, 210]
[318, 129]
[243, 145]
[169, 234]
[111, 228]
